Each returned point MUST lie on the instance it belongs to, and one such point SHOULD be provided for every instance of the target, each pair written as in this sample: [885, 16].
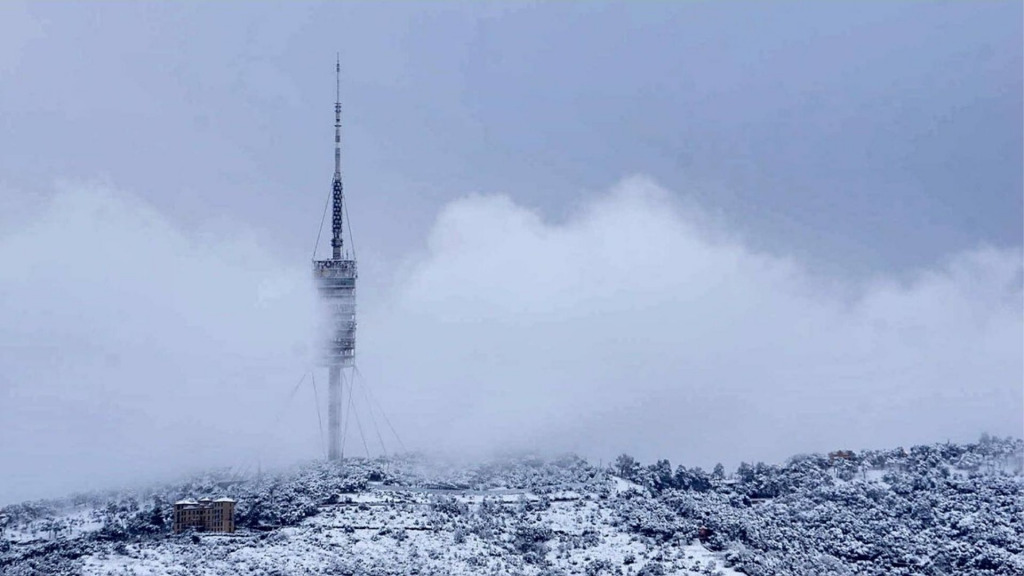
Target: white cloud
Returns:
[132, 349]
[636, 325]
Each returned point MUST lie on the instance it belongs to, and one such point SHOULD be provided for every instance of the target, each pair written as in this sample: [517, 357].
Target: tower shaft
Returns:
[335, 392]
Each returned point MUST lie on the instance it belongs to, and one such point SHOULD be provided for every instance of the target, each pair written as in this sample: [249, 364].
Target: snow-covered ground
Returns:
[939, 509]
[390, 530]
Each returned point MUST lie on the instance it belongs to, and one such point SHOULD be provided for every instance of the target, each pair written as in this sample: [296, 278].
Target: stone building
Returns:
[204, 515]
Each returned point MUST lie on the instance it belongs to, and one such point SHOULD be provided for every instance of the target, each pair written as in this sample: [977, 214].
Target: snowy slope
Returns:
[934, 510]
[379, 536]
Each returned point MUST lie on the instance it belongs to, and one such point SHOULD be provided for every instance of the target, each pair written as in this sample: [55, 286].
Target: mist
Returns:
[134, 349]
[641, 324]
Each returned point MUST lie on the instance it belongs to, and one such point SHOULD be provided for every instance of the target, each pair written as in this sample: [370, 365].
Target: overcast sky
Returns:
[698, 231]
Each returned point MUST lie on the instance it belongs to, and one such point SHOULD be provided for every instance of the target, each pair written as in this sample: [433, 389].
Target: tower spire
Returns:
[337, 119]
[338, 195]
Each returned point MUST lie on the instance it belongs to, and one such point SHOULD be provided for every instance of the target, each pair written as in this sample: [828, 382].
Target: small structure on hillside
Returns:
[204, 515]
[841, 455]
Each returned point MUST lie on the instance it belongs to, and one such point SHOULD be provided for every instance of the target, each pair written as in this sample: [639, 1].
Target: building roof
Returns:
[202, 501]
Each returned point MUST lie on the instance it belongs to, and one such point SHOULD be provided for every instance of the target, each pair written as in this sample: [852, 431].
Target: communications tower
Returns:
[336, 283]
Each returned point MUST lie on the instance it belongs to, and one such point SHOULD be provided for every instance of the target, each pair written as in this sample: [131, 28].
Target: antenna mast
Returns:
[338, 193]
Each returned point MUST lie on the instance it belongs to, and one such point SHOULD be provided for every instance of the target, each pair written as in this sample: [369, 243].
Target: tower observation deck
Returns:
[336, 282]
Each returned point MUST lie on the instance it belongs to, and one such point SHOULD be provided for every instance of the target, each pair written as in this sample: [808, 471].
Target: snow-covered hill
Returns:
[941, 509]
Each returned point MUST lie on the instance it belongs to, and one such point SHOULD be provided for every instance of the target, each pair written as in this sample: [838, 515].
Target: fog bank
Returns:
[132, 349]
[641, 325]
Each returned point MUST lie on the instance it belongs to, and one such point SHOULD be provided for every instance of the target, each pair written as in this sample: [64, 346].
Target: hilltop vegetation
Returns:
[939, 509]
